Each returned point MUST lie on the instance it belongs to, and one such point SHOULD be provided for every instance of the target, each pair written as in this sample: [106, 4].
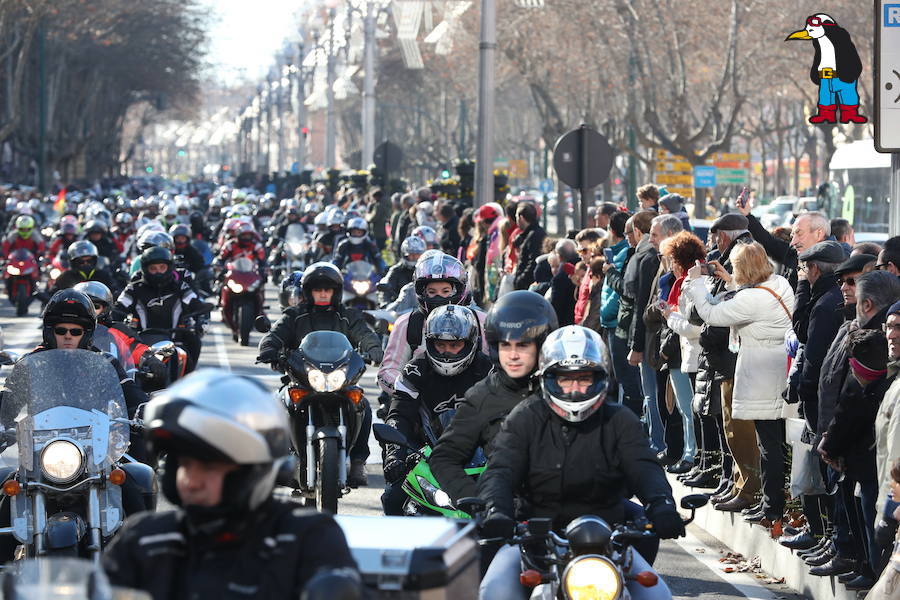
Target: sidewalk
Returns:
[753, 540]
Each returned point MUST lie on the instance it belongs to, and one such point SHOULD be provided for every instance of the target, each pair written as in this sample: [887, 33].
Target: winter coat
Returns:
[639, 278]
[529, 245]
[758, 323]
[562, 297]
[679, 322]
[609, 298]
[887, 435]
[615, 278]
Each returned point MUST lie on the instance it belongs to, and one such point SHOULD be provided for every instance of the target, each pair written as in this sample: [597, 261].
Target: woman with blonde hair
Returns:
[759, 315]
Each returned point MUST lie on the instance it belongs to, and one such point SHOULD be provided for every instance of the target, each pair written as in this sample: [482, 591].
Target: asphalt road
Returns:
[689, 566]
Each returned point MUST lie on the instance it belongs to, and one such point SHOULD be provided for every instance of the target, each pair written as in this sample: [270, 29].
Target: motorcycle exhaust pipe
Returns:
[342, 455]
[310, 454]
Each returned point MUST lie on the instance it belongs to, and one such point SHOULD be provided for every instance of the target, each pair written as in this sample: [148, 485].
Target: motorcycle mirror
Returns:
[262, 324]
[471, 505]
[8, 358]
[388, 435]
[694, 501]
[164, 348]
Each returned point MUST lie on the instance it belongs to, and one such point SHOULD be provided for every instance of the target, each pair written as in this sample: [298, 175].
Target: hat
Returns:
[730, 222]
[673, 202]
[894, 309]
[855, 264]
[827, 252]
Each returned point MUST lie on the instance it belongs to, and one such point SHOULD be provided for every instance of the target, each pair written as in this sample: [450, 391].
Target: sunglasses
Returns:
[847, 280]
[816, 22]
[74, 331]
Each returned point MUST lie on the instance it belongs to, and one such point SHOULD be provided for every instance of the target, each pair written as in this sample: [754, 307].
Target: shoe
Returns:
[736, 504]
[357, 477]
[681, 466]
[690, 474]
[755, 517]
[753, 509]
[706, 479]
[723, 497]
[862, 582]
[801, 541]
[826, 114]
[820, 559]
[850, 114]
[836, 566]
[824, 542]
[725, 485]
[848, 577]
[664, 458]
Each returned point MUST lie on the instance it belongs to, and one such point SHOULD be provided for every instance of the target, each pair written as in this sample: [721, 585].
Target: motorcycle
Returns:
[242, 298]
[326, 409]
[591, 559]
[21, 276]
[424, 494]
[204, 277]
[291, 253]
[64, 453]
[360, 280]
[72, 578]
[166, 345]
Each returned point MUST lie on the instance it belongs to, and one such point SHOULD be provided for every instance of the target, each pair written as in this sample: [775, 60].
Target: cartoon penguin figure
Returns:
[835, 69]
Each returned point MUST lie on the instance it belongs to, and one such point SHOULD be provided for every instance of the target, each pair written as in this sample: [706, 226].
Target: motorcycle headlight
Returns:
[55, 273]
[61, 461]
[361, 287]
[433, 494]
[13, 270]
[295, 248]
[335, 380]
[317, 380]
[592, 578]
[235, 286]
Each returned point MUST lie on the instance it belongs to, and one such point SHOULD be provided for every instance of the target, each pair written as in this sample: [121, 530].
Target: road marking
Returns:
[219, 338]
[745, 584]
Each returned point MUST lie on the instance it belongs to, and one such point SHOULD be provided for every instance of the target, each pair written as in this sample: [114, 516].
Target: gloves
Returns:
[394, 470]
[157, 368]
[498, 525]
[667, 523]
[269, 355]
[376, 355]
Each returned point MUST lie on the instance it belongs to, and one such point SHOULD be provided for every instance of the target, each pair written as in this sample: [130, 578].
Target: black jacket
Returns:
[824, 307]
[72, 277]
[280, 549]
[397, 276]
[639, 276]
[562, 297]
[530, 244]
[778, 250]
[420, 390]
[450, 239]
[565, 470]
[834, 372]
[616, 280]
[189, 258]
[348, 252]
[474, 426]
[297, 321]
[156, 307]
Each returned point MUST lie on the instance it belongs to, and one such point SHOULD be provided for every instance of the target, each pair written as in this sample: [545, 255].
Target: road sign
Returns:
[704, 177]
[887, 76]
[388, 157]
[687, 192]
[732, 176]
[678, 166]
[546, 186]
[582, 159]
[518, 169]
[674, 179]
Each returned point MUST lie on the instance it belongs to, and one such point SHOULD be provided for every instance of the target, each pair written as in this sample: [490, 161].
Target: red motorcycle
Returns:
[242, 299]
[21, 276]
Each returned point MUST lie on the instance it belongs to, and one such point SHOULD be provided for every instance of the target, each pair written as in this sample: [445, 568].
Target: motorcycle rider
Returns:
[83, 257]
[428, 235]
[358, 246]
[186, 255]
[568, 453]
[401, 273]
[97, 232]
[434, 384]
[226, 440]
[25, 236]
[246, 243]
[439, 280]
[328, 240]
[291, 293]
[64, 237]
[321, 310]
[159, 297]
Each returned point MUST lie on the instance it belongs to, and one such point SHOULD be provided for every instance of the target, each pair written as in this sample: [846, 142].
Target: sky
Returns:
[246, 34]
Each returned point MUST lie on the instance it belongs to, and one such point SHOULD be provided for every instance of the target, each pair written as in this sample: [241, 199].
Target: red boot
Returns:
[849, 114]
[827, 114]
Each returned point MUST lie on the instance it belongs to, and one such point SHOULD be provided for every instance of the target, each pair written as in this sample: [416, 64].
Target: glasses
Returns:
[74, 331]
[882, 266]
[847, 280]
[816, 22]
[890, 329]
[582, 250]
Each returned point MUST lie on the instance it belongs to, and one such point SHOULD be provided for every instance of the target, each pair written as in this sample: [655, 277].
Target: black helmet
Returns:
[322, 275]
[69, 306]
[83, 255]
[155, 255]
[99, 295]
[522, 316]
[290, 290]
[214, 415]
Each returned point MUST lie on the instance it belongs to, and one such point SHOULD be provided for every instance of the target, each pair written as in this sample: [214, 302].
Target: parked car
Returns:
[779, 212]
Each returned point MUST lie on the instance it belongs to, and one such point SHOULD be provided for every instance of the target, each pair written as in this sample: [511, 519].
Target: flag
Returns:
[60, 204]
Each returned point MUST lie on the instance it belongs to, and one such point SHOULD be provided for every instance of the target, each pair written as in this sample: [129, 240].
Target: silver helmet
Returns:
[574, 349]
[357, 223]
[452, 323]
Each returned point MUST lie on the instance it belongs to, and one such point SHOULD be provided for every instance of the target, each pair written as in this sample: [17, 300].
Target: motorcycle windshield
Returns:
[58, 578]
[242, 265]
[295, 233]
[326, 348]
[19, 256]
[75, 393]
[360, 270]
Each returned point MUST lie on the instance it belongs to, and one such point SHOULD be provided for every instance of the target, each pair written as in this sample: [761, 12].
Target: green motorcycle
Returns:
[424, 494]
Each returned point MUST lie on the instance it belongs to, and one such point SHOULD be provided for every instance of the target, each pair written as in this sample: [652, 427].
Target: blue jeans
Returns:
[629, 377]
[834, 91]
[684, 397]
[651, 417]
[501, 582]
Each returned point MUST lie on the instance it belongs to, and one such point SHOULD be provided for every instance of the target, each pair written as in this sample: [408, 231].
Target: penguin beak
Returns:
[799, 35]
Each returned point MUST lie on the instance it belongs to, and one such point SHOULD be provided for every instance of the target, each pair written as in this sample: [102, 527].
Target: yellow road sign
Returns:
[518, 169]
[668, 166]
[687, 192]
[670, 179]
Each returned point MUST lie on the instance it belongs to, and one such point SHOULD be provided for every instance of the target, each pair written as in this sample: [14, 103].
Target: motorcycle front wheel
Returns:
[246, 315]
[22, 299]
[327, 476]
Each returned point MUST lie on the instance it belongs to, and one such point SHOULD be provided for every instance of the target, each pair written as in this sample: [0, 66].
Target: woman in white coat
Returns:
[759, 315]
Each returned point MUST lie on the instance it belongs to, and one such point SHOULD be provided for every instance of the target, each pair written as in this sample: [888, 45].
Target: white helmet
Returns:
[451, 323]
[360, 224]
[574, 349]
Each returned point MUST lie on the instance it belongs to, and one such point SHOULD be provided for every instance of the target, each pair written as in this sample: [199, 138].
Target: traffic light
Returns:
[149, 169]
[226, 168]
[445, 174]
[304, 131]
[182, 153]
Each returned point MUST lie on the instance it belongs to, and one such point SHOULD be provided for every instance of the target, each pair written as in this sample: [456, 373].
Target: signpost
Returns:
[582, 159]
[704, 177]
[887, 97]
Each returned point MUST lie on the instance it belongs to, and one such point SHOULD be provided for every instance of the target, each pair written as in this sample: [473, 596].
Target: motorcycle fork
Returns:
[96, 544]
[342, 451]
[310, 451]
[39, 508]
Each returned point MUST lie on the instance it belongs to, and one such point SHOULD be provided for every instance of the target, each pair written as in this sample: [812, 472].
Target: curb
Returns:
[753, 540]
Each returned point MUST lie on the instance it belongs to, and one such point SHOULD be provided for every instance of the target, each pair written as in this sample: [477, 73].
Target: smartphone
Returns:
[608, 255]
[661, 305]
[743, 197]
[708, 269]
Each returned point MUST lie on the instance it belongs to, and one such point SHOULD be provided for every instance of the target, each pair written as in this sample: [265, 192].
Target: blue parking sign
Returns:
[546, 186]
[704, 177]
